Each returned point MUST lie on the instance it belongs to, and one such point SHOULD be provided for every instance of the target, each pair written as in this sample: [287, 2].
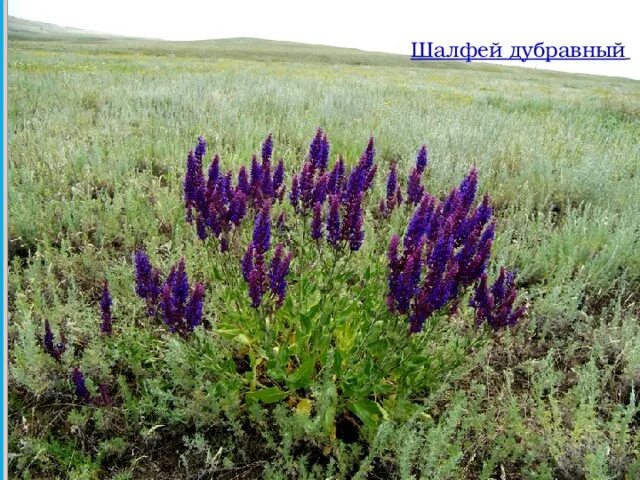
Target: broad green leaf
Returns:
[368, 411]
[303, 376]
[266, 395]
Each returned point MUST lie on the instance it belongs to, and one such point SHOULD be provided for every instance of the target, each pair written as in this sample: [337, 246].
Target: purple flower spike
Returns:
[193, 312]
[319, 151]
[414, 189]
[267, 148]
[243, 181]
[180, 305]
[306, 185]
[81, 389]
[257, 280]
[105, 308]
[247, 262]
[422, 159]
[495, 305]
[193, 184]
[294, 194]
[201, 148]
[267, 182]
[333, 221]
[278, 272]
[262, 230]
[367, 157]
[468, 189]
[237, 208]
[320, 189]
[256, 173]
[48, 337]
[147, 278]
[53, 349]
[336, 178]
[316, 222]
[213, 175]
[392, 183]
[368, 181]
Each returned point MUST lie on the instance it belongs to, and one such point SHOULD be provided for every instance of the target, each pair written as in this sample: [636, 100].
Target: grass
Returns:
[98, 132]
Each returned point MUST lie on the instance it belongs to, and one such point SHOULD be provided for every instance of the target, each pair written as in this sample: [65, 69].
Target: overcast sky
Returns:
[385, 26]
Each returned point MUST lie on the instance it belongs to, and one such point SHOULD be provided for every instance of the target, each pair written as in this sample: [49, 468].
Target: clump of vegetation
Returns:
[318, 326]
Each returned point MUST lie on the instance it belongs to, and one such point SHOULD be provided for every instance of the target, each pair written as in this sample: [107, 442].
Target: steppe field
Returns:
[312, 372]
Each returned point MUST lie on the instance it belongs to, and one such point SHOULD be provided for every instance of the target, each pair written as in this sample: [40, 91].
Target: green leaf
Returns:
[266, 395]
[368, 411]
[303, 376]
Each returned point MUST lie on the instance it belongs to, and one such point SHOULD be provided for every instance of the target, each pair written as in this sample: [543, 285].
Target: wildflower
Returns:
[78, 380]
[306, 186]
[193, 311]
[336, 177]
[243, 181]
[213, 175]
[366, 160]
[495, 305]
[420, 221]
[147, 279]
[54, 349]
[320, 189]
[267, 148]
[255, 273]
[256, 172]
[201, 148]
[278, 272]
[352, 231]
[181, 306]
[105, 307]
[262, 230]
[333, 220]
[294, 194]
[267, 182]
[247, 262]
[319, 151]
[257, 280]
[316, 222]
[237, 208]
[392, 183]
[421, 159]
[368, 179]
[414, 189]
[193, 184]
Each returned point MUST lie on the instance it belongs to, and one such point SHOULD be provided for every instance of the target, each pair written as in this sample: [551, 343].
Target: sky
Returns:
[382, 26]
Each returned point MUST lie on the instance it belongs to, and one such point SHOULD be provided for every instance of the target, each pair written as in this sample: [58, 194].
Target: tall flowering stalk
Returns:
[77, 377]
[415, 190]
[446, 248]
[495, 305]
[259, 278]
[216, 204]
[343, 218]
[48, 342]
[181, 305]
[393, 197]
[105, 308]
[147, 280]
